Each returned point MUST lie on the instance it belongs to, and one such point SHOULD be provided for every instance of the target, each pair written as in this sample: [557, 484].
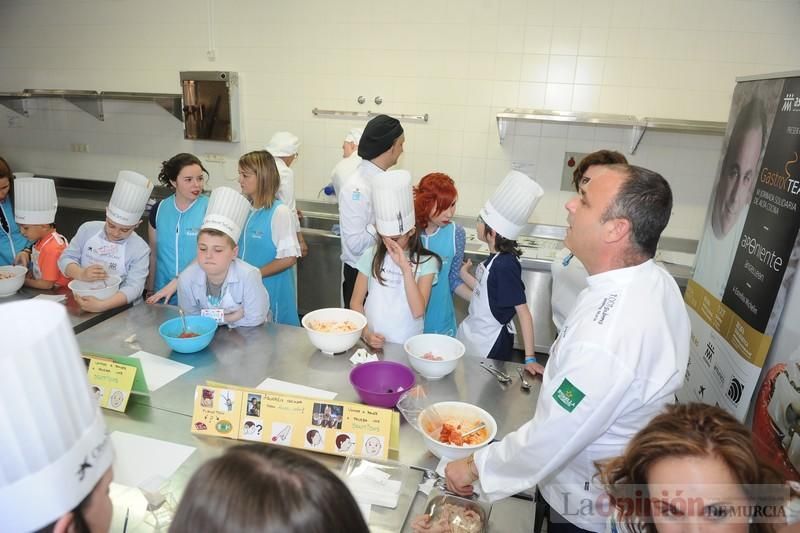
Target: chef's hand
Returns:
[534, 369]
[234, 316]
[23, 258]
[373, 340]
[89, 303]
[424, 523]
[396, 253]
[459, 477]
[164, 294]
[93, 273]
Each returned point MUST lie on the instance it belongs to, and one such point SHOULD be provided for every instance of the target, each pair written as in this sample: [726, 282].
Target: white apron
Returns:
[35, 253]
[479, 331]
[387, 309]
[99, 250]
[217, 307]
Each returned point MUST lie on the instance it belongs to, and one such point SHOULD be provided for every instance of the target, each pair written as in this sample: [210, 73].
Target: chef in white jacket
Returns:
[350, 160]
[284, 147]
[619, 359]
[55, 454]
[380, 147]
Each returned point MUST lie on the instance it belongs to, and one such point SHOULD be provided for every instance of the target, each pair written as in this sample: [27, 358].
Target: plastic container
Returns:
[204, 326]
[100, 289]
[334, 342]
[448, 348]
[381, 383]
[9, 286]
[465, 412]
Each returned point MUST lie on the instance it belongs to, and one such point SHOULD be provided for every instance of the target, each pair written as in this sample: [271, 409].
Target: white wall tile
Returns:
[565, 40]
[561, 69]
[589, 70]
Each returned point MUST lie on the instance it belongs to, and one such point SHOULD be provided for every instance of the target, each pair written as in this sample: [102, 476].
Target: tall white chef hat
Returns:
[129, 198]
[35, 201]
[393, 201]
[283, 144]
[353, 136]
[53, 446]
[512, 204]
[227, 212]
[23, 175]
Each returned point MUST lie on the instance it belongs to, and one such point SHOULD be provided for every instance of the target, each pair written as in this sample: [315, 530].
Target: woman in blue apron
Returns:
[435, 204]
[11, 240]
[269, 241]
[174, 223]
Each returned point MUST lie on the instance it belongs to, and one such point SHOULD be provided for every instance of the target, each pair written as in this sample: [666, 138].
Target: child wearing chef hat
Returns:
[395, 277]
[55, 456]
[497, 289]
[100, 249]
[36, 203]
[219, 284]
[284, 147]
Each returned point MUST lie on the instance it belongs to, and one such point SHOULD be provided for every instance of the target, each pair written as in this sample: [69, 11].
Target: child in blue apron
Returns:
[12, 243]
[219, 284]
[395, 277]
[435, 204]
[498, 292]
[174, 223]
[112, 247]
[269, 241]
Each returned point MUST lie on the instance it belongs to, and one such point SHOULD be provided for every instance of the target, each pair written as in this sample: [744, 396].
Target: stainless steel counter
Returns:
[245, 357]
[80, 320]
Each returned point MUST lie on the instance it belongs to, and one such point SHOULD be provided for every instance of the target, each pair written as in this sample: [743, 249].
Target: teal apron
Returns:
[440, 316]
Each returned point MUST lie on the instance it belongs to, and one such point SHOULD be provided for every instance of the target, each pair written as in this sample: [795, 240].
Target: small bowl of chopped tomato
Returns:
[199, 333]
[433, 356]
[444, 424]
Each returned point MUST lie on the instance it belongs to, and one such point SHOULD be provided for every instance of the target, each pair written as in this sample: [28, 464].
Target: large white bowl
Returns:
[450, 349]
[9, 286]
[334, 342]
[101, 289]
[461, 411]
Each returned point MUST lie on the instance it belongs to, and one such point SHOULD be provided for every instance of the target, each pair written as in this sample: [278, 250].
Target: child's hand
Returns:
[164, 294]
[534, 369]
[466, 267]
[89, 303]
[396, 253]
[374, 340]
[234, 316]
[93, 273]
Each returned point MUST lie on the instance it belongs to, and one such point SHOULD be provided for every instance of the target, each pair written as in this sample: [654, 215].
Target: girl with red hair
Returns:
[435, 204]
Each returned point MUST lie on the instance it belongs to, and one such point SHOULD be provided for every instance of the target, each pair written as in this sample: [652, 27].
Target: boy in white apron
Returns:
[36, 203]
[497, 289]
[218, 284]
[100, 249]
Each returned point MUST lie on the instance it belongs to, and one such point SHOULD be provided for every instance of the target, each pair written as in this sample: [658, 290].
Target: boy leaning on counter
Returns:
[100, 249]
[219, 284]
[36, 204]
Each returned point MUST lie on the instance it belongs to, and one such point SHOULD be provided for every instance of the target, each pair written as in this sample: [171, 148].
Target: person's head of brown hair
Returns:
[217, 233]
[5, 173]
[692, 430]
[262, 164]
[600, 157]
[266, 489]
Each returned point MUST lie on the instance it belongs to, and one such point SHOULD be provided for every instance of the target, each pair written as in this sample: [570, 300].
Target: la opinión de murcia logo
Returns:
[791, 102]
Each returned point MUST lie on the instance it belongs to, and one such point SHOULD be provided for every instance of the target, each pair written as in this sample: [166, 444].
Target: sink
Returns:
[324, 223]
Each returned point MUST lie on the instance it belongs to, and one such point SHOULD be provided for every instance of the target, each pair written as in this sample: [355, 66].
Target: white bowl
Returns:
[100, 289]
[450, 349]
[9, 286]
[465, 412]
[330, 342]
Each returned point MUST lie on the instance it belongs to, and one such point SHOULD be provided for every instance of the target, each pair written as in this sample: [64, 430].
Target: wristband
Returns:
[530, 359]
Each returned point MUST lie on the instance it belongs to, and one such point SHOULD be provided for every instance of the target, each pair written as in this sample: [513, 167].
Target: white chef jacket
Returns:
[286, 190]
[356, 216]
[343, 170]
[568, 282]
[242, 289]
[619, 359]
[712, 264]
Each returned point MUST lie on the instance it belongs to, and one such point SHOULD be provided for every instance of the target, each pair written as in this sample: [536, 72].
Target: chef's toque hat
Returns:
[353, 136]
[512, 204]
[227, 212]
[35, 201]
[393, 202]
[53, 446]
[129, 198]
[283, 144]
[23, 175]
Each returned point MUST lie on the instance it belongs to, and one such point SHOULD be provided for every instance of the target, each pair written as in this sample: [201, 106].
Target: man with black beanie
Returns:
[380, 146]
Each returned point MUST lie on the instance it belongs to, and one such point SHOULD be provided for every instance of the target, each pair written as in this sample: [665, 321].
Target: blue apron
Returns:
[440, 316]
[11, 242]
[257, 248]
[176, 239]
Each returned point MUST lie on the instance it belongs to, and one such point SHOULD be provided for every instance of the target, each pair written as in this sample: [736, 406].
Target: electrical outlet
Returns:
[571, 162]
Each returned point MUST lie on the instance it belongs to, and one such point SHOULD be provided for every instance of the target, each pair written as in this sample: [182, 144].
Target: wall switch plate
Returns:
[215, 158]
[571, 161]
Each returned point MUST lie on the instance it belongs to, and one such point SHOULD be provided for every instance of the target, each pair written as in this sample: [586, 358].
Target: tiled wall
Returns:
[461, 61]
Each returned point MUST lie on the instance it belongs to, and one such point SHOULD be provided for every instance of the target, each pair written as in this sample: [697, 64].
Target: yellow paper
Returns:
[111, 382]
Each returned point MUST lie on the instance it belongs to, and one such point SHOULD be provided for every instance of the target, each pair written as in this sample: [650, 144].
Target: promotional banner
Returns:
[742, 267]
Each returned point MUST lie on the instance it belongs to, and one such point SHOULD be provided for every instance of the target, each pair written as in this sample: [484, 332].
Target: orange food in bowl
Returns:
[452, 431]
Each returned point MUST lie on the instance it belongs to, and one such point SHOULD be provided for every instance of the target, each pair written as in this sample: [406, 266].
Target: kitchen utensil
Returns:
[502, 377]
[183, 321]
[523, 382]
[474, 430]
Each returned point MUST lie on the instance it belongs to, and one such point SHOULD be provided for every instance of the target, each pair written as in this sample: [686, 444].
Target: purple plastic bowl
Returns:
[381, 383]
